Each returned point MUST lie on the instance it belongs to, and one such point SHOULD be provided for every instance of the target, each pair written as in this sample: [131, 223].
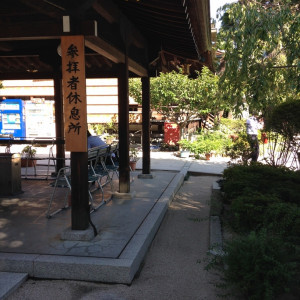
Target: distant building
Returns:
[102, 95]
[102, 102]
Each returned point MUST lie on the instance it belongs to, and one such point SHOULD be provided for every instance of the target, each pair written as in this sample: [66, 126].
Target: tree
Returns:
[178, 98]
[262, 53]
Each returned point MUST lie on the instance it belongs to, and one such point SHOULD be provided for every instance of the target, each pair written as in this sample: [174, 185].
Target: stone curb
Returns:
[215, 228]
[10, 282]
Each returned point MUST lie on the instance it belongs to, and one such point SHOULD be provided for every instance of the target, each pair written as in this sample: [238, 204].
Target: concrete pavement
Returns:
[170, 161]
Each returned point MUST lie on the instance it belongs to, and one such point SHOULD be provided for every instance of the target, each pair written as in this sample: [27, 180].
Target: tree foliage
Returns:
[285, 119]
[262, 53]
[179, 98]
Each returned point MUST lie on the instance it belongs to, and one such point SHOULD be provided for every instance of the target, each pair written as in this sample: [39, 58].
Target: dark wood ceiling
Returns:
[157, 35]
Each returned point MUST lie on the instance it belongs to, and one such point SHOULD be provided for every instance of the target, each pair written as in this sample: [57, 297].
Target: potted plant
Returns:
[210, 147]
[133, 158]
[209, 143]
[185, 148]
[27, 158]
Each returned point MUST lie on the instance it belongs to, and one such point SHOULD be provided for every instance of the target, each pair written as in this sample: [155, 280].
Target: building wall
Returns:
[102, 101]
[102, 95]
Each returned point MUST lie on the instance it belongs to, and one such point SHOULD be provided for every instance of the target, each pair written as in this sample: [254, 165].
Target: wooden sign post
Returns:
[75, 116]
[74, 93]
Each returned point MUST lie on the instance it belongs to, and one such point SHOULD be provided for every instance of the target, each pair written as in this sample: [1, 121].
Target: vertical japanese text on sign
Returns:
[74, 93]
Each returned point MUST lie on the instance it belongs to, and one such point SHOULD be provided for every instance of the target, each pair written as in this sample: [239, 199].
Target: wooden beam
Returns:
[107, 10]
[107, 50]
[5, 47]
[31, 31]
[41, 30]
[25, 75]
[199, 15]
[104, 48]
[45, 8]
[111, 13]
[136, 68]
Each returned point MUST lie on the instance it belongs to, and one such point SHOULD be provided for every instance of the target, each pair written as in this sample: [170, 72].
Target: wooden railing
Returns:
[209, 122]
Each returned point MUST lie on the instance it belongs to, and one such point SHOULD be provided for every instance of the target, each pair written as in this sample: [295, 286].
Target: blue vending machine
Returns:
[12, 118]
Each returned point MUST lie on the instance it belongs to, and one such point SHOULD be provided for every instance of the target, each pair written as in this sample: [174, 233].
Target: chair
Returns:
[93, 177]
[63, 180]
[37, 143]
[111, 163]
[99, 168]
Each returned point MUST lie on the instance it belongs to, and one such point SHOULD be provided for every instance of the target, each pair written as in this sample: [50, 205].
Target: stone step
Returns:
[9, 282]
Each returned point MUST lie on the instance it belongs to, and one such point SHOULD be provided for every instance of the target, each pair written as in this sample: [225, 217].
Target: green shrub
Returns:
[284, 119]
[282, 124]
[110, 127]
[264, 204]
[206, 142]
[98, 128]
[185, 144]
[232, 126]
[284, 219]
[239, 148]
[257, 266]
[236, 131]
[248, 210]
[257, 193]
[279, 181]
[210, 141]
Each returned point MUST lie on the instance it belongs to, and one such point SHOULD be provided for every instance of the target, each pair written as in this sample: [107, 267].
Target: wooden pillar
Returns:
[146, 124]
[59, 122]
[124, 172]
[75, 123]
[80, 198]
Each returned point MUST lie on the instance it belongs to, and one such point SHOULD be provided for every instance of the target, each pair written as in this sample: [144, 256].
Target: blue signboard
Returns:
[12, 118]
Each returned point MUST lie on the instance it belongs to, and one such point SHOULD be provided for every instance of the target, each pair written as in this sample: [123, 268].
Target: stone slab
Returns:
[83, 268]
[216, 200]
[78, 235]
[9, 282]
[215, 234]
[124, 196]
[18, 263]
[145, 176]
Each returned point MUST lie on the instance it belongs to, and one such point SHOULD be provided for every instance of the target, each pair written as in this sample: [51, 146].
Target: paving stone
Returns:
[9, 282]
